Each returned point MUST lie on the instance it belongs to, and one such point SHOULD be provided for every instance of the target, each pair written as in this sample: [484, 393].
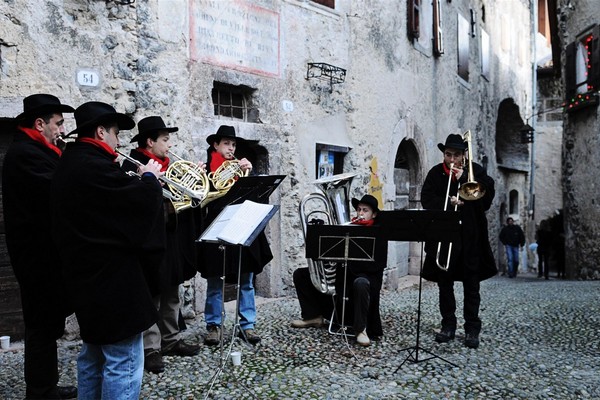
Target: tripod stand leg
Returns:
[416, 348]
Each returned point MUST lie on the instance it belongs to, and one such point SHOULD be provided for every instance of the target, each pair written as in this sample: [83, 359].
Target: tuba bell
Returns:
[330, 205]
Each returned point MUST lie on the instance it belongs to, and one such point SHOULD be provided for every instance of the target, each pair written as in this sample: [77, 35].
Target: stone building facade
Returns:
[403, 75]
[580, 41]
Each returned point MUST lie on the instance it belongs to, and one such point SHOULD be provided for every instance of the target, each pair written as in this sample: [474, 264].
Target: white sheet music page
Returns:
[244, 221]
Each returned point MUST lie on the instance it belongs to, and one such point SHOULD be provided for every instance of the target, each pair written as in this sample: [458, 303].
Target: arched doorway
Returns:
[407, 179]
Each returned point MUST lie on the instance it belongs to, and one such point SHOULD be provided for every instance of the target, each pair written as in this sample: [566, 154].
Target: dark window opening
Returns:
[326, 3]
[414, 11]
[234, 102]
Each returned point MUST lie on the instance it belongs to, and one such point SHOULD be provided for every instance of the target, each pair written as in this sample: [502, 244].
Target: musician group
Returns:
[113, 242]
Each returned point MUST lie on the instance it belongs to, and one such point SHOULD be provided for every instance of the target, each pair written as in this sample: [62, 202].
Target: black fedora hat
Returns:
[149, 125]
[95, 113]
[224, 131]
[368, 200]
[40, 104]
[453, 141]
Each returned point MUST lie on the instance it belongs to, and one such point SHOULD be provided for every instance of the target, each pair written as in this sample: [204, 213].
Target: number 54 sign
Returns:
[88, 77]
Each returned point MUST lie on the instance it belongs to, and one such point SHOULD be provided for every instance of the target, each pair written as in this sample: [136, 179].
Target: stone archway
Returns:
[407, 179]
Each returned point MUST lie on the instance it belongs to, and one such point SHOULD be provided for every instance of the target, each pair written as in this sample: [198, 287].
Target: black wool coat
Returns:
[102, 218]
[180, 234]
[26, 176]
[471, 253]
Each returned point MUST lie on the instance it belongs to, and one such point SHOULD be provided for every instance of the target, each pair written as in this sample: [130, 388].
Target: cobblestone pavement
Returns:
[540, 340]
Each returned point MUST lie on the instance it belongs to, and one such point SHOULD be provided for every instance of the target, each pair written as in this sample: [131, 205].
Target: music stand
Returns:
[420, 226]
[219, 232]
[341, 243]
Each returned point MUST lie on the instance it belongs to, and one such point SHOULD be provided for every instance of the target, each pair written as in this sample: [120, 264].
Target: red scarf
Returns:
[164, 162]
[447, 171]
[38, 137]
[216, 159]
[101, 144]
[358, 221]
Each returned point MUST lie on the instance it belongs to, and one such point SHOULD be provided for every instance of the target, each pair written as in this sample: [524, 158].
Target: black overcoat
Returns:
[180, 261]
[26, 175]
[102, 218]
[472, 253]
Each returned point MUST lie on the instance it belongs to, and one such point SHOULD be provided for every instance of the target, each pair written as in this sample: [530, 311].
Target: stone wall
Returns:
[163, 57]
[581, 146]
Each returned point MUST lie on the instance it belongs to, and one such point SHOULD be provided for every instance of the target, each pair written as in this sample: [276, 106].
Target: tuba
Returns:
[329, 206]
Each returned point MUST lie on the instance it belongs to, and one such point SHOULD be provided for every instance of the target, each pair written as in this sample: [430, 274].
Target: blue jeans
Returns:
[512, 259]
[111, 371]
[247, 309]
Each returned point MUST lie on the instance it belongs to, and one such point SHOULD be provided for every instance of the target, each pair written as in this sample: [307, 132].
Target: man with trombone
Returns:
[178, 265]
[469, 258]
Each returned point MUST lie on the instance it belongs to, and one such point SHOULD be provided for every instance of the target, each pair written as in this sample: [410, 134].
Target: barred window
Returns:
[234, 102]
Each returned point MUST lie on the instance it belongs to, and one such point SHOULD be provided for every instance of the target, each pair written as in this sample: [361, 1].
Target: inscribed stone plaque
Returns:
[235, 34]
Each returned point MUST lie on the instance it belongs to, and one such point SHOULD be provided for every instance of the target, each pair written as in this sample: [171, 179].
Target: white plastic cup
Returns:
[5, 342]
[236, 358]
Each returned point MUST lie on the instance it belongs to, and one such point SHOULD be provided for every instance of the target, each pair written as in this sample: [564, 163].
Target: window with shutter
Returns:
[582, 70]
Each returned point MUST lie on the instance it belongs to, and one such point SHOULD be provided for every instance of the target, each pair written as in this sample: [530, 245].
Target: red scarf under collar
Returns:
[164, 162]
[447, 171]
[100, 144]
[357, 221]
[216, 160]
[38, 137]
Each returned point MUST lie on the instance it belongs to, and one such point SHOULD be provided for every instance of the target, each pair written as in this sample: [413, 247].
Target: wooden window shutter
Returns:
[594, 48]
[570, 75]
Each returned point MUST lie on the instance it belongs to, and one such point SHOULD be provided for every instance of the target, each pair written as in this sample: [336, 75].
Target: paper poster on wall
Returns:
[325, 164]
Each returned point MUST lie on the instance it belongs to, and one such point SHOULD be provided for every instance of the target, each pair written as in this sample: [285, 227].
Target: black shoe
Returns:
[60, 392]
[250, 336]
[444, 336]
[153, 362]
[180, 348]
[472, 340]
[213, 337]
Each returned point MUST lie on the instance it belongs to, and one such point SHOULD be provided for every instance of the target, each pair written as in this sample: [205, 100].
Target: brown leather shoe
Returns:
[308, 323]
[213, 337]
[180, 348]
[250, 336]
[153, 362]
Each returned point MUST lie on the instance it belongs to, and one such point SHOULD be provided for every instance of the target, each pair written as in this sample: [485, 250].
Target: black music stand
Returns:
[257, 188]
[420, 226]
[341, 243]
[222, 231]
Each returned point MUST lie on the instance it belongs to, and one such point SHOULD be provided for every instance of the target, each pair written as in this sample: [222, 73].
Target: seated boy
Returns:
[364, 280]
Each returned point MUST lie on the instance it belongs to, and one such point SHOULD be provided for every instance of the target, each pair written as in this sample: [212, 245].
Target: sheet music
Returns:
[240, 223]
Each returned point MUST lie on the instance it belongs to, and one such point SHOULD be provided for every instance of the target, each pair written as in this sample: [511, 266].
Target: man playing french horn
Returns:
[470, 258]
[224, 169]
[179, 263]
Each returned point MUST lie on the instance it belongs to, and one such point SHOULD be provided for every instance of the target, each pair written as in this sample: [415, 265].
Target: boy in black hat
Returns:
[28, 168]
[472, 259]
[222, 146]
[364, 280]
[102, 218]
[179, 265]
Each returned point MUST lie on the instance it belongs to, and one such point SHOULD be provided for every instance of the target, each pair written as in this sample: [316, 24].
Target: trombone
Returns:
[469, 191]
